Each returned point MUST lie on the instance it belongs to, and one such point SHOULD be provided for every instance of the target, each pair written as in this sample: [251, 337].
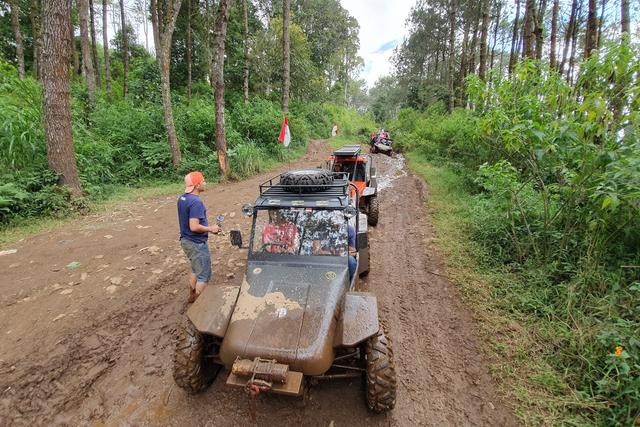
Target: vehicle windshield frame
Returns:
[265, 255]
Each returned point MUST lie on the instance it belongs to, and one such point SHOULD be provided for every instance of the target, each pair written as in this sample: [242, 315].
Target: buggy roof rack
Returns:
[348, 150]
[330, 196]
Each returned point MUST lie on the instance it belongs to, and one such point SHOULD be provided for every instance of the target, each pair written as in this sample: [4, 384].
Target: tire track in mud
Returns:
[111, 363]
[443, 377]
[60, 379]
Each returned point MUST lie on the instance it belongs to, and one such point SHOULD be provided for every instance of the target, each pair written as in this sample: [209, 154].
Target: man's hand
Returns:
[214, 229]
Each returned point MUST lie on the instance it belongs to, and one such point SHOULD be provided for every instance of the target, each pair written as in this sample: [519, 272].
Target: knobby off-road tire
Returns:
[373, 210]
[192, 370]
[380, 373]
[306, 181]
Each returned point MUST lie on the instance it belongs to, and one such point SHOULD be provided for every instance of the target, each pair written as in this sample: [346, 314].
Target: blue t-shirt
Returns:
[191, 206]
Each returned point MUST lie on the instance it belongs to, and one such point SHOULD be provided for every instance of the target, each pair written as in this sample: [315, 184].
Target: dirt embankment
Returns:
[91, 344]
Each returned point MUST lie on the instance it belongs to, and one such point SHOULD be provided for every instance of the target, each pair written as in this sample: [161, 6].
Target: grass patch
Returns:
[519, 345]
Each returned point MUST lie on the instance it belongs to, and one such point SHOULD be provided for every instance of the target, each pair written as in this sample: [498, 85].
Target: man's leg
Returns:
[203, 267]
[192, 287]
[189, 250]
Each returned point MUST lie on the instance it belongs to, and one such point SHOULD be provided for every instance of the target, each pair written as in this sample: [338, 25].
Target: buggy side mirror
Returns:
[247, 209]
[236, 238]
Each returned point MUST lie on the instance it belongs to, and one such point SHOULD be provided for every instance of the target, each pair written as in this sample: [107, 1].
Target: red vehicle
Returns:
[361, 173]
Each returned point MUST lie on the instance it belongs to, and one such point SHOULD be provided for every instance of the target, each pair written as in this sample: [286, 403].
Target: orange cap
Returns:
[191, 180]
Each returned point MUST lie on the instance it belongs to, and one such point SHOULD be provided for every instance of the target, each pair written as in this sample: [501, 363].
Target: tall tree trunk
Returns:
[539, 31]
[574, 42]
[125, 49]
[155, 26]
[463, 61]
[56, 99]
[245, 46]
[603, 3]
[624, 15]
[145, 26]
[105, 42]
[554, 34]
[591, 34]
[620, 99]
[528, 41]
[221, 35]
[452, 45]
[495, 34]
[286, 55]
[474, 41]
[15, 24]
[72, 43]
[36, 13]
[189, 50]
[165, 33]
[567, 35]
[87, 62]
[94, 47]
[514, 39]
[483, 39]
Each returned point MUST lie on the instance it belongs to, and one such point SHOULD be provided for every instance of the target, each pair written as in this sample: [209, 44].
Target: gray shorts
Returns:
[200, 257]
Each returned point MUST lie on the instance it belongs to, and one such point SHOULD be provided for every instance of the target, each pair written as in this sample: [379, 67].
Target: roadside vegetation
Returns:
[119, 134]
[524, 121]
[536, 193]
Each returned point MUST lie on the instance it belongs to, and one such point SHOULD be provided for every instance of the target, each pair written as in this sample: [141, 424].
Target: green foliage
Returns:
[123, 141]
[554, 183]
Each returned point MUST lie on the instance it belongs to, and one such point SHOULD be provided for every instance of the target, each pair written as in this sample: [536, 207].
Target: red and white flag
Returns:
[285, 135]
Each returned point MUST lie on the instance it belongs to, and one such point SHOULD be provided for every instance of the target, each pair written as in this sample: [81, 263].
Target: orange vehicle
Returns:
[361, 173]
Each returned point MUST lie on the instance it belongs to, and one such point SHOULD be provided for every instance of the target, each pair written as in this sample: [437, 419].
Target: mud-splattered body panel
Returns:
[287, 313]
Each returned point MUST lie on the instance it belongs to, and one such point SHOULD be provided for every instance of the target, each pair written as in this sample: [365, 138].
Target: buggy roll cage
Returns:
[334, 196]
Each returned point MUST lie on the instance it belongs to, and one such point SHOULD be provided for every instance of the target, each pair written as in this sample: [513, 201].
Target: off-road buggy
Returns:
[297, 317]
[381, 143]
[362, 174]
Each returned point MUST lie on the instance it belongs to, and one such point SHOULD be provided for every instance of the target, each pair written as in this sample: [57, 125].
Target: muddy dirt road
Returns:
[91, 344]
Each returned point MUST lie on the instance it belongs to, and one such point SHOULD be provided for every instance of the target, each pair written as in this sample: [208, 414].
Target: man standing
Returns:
[194, 233]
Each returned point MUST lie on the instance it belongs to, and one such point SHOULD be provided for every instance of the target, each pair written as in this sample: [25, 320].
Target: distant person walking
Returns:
[334, 130]
[194, 233]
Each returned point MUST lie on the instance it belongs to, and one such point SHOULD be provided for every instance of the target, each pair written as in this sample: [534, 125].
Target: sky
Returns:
[382, 28]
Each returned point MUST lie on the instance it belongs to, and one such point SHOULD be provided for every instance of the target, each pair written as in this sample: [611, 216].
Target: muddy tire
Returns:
[380, 376]
[192, 370]
[306, 181]
[373, 210]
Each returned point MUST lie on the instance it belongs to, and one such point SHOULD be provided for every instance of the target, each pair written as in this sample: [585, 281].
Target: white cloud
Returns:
[382, 23]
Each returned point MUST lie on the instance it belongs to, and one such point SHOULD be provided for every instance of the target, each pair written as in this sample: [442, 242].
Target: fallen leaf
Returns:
[108, 236]
[143, 226]
[59, 316]
[73, 265]
[66, 292]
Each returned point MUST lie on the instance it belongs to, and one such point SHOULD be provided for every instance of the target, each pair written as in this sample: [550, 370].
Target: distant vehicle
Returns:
[381, 143]
[297, 314]
[362, 173]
